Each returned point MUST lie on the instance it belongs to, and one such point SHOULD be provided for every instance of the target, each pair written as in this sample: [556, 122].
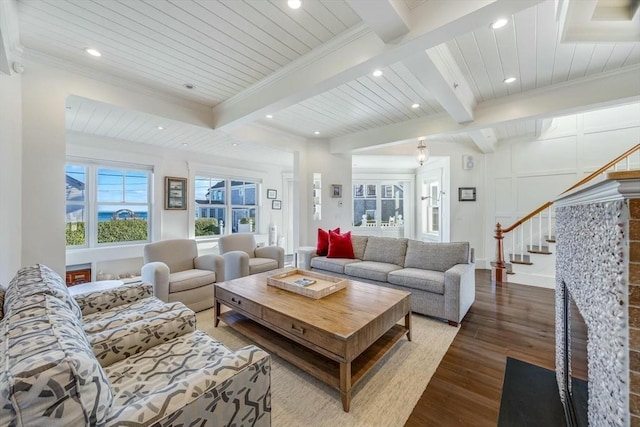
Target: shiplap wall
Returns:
[527, 172]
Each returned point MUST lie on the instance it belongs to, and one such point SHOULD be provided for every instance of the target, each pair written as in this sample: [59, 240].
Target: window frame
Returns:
[375, 189]
[91, 167]
[228, 205]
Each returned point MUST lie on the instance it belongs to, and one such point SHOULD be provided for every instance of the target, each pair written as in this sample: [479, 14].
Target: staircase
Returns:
[531, 240]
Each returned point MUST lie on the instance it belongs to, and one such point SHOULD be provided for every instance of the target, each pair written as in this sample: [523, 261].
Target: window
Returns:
[215, 211]
[378, 204]
[107, 204]
[431, 215]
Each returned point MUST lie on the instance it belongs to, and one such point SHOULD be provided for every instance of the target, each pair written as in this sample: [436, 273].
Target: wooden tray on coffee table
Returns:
[323, 284]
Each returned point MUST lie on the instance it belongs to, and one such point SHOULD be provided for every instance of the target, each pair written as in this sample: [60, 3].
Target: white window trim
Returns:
[91, 200]
[213, 174]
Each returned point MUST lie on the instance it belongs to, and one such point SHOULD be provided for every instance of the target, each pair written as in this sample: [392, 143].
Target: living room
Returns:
[544, 137]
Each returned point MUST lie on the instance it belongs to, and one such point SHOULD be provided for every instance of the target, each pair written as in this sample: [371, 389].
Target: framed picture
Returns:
[336, 190]
[272, 194]
[175, 192]
[276, 204]
[371, 190]
[466, 194]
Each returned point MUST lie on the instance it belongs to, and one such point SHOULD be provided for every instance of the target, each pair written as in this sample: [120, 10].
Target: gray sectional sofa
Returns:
[119, 357]
[440, 276]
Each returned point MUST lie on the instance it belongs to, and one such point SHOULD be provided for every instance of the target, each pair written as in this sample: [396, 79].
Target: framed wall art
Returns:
[336, 190]
[272, 194]
[175, 193]
[466, 194]
[276, 204]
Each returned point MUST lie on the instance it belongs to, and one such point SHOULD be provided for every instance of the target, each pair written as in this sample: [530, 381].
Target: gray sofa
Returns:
[440, 276]
[119, 358]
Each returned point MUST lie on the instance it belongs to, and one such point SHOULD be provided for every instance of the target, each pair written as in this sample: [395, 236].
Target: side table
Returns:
[304, 257]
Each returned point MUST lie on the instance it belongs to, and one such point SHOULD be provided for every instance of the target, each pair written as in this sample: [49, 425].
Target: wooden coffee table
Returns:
[337, 339]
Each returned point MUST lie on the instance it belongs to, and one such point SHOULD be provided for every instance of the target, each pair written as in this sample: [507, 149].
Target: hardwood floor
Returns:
[505, 320]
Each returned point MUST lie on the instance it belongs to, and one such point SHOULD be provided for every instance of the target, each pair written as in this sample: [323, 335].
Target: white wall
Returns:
[335, 169]
[43, 152]
[168, 224]
[467, 218]
[44, 149]
[524, 173]
[10, 176]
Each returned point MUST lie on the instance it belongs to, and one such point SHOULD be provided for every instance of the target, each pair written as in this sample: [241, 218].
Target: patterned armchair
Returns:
[56, 367]
[242, 257]
[177, 273]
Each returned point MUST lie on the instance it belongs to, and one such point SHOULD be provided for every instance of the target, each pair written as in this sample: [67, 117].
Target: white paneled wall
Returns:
[10, 176]
[524, 173]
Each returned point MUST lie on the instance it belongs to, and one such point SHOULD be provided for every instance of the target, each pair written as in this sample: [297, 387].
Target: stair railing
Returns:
[500, 267]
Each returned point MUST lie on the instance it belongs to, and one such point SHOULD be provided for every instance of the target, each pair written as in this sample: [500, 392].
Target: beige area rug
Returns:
[385, 397]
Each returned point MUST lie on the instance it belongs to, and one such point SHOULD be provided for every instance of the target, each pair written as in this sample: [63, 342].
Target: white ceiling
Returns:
[311, 68]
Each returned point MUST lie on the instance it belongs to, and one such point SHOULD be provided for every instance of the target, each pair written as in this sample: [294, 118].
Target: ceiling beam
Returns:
[439, 73]
[9, 35]
[389, 19]
[265, 135]
[356, 53]
[593, 92]
[542, 125]
[485, 139]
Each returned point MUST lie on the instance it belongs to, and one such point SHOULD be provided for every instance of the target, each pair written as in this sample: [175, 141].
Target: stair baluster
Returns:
[499, 270]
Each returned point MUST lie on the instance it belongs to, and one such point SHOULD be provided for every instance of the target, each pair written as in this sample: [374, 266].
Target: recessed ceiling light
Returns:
[499, 23]
[184, 144]
[93, 52]
[235, 144]
[294, 4]
[510, 80]
[377, 73]
[269, 116]
[160, 128]
[317, 132]
[416, 105]
[189, 86]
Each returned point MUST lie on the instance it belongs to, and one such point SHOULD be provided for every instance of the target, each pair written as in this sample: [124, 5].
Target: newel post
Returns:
[499, 270]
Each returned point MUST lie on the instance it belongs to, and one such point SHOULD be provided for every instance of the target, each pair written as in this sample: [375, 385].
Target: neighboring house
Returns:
[74, 191]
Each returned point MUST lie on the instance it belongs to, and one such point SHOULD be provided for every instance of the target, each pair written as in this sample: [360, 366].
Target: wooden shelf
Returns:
[311, 362]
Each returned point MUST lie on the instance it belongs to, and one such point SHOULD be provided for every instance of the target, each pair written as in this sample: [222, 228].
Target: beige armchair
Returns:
[177, 273]
[242, 257]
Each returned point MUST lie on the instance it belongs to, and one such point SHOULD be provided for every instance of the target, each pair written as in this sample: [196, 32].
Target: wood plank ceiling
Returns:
[227, 47]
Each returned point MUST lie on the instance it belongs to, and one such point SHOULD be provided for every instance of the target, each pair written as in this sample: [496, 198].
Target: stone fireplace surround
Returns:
[598, 259]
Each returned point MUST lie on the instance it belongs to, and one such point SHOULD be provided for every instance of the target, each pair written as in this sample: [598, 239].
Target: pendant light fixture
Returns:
[423, 152]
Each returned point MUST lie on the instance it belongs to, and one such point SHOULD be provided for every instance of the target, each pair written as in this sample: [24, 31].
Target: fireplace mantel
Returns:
[598, 260]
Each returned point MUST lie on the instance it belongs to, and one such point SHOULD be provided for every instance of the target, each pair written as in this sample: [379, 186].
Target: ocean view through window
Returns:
[107, 204]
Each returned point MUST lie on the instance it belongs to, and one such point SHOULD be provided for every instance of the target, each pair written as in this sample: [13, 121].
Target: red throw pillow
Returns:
[340, 245]
[323, 241]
